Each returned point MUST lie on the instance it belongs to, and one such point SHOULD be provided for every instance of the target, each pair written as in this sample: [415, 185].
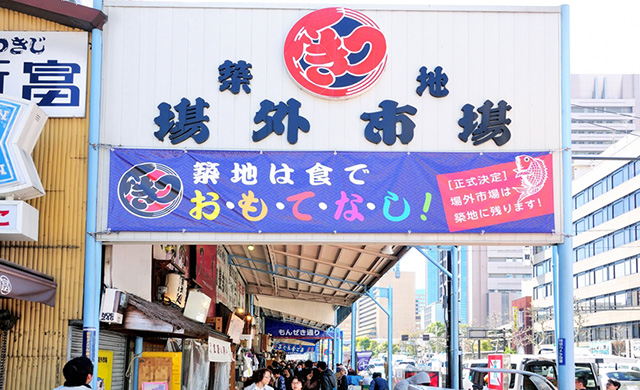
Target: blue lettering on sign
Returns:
[51, 83]
[561, 351]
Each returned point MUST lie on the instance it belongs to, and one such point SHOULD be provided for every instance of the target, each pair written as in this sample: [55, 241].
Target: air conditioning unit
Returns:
[114, 303]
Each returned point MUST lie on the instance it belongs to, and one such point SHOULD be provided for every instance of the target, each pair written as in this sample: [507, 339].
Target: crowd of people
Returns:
[303, 376]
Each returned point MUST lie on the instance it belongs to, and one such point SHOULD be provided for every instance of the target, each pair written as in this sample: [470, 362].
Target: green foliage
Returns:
[436, 328]
[363, 343]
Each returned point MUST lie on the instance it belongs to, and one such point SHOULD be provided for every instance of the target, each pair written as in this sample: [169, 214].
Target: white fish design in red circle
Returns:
[532, 173]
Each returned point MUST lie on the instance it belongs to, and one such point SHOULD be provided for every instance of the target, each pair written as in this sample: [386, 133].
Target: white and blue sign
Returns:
[286, 330]
[293, 348]
[20, 125]
[48, 68]
[324, 192]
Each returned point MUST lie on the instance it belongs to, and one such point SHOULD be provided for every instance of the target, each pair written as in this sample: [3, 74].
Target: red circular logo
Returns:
[335, 52]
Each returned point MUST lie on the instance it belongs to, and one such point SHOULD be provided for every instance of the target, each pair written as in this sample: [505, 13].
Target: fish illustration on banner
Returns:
[533, 173]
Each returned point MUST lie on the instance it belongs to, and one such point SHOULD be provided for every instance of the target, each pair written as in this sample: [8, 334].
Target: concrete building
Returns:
[436, 290]
[495, 278]
[372, 322]
[606, 217]
[604, 108]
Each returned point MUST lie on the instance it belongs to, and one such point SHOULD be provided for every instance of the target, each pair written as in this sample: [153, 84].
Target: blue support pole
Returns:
[556, 294]
[335, 339]
[93, 249]
[354, 318]
[455, 320]
[341, 347]
[137, 350]
[390, 338]
[564, 310]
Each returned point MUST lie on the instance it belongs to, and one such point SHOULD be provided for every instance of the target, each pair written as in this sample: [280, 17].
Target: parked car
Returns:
[376, 366]
[531, 380]
[545, 366]
[467, 374]
[629, 379]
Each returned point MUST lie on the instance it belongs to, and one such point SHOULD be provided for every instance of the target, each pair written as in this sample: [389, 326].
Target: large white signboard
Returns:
[219, 79]
[48, 68]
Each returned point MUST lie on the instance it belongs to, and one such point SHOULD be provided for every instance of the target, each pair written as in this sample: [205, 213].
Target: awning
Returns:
[20, 282]
[156, 318]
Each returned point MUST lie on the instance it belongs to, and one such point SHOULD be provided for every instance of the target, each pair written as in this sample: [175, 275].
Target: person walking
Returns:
[259, 380]
[77, 373]
[378, 383]
[328, 378]
[313, 379]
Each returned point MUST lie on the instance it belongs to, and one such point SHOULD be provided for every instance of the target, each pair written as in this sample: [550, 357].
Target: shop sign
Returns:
[21, 122]
[286, 330]
[346, 192]
[219, 351]
[264, 144]
[48, 68]
[293, 348]
[18, 221]
[230, 289]
[206, 268]
[105, 369]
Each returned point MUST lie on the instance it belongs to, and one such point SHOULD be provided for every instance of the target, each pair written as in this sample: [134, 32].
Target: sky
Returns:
[604, 34]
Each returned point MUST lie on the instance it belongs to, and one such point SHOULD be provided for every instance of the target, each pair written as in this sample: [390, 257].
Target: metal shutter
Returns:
[111, 341]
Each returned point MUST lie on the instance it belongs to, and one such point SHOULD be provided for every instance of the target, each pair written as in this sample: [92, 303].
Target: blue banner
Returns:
[293, 348]
[286, 330]
[327, 192]
[363, 359]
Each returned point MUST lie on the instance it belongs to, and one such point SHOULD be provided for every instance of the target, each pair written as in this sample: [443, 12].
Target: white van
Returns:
[467, 375]
[545, 366]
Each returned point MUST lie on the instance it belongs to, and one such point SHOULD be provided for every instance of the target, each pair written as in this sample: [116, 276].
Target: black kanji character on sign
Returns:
[436, 81]
[233, 75]
[385, 121]
[493, 124]
[273, 123]
[190, 123]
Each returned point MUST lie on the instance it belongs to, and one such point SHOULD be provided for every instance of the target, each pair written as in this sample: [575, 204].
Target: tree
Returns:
[363, 343]
[373, 346]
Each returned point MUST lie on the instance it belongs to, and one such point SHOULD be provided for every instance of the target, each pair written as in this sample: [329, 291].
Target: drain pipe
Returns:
[93, 249]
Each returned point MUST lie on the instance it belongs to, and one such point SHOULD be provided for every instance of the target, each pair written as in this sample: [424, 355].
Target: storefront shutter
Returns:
[110, 341]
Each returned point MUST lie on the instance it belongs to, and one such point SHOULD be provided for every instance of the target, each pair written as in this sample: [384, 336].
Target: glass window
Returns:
[580, 199]
[598, 218]
[599, 275]
[617, 178]
[599, 246]
[580, 253]
[618, 239]
[597, 189]
[618, 208]
[618, 269]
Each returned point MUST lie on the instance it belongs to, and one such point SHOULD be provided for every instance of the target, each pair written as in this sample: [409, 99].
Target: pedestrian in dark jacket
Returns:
[328, 379]
[379, 383]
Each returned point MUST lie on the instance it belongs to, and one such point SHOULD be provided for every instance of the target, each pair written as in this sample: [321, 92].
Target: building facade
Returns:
[606, 203]
[37, 346]
[496, 276]
[604, 108]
